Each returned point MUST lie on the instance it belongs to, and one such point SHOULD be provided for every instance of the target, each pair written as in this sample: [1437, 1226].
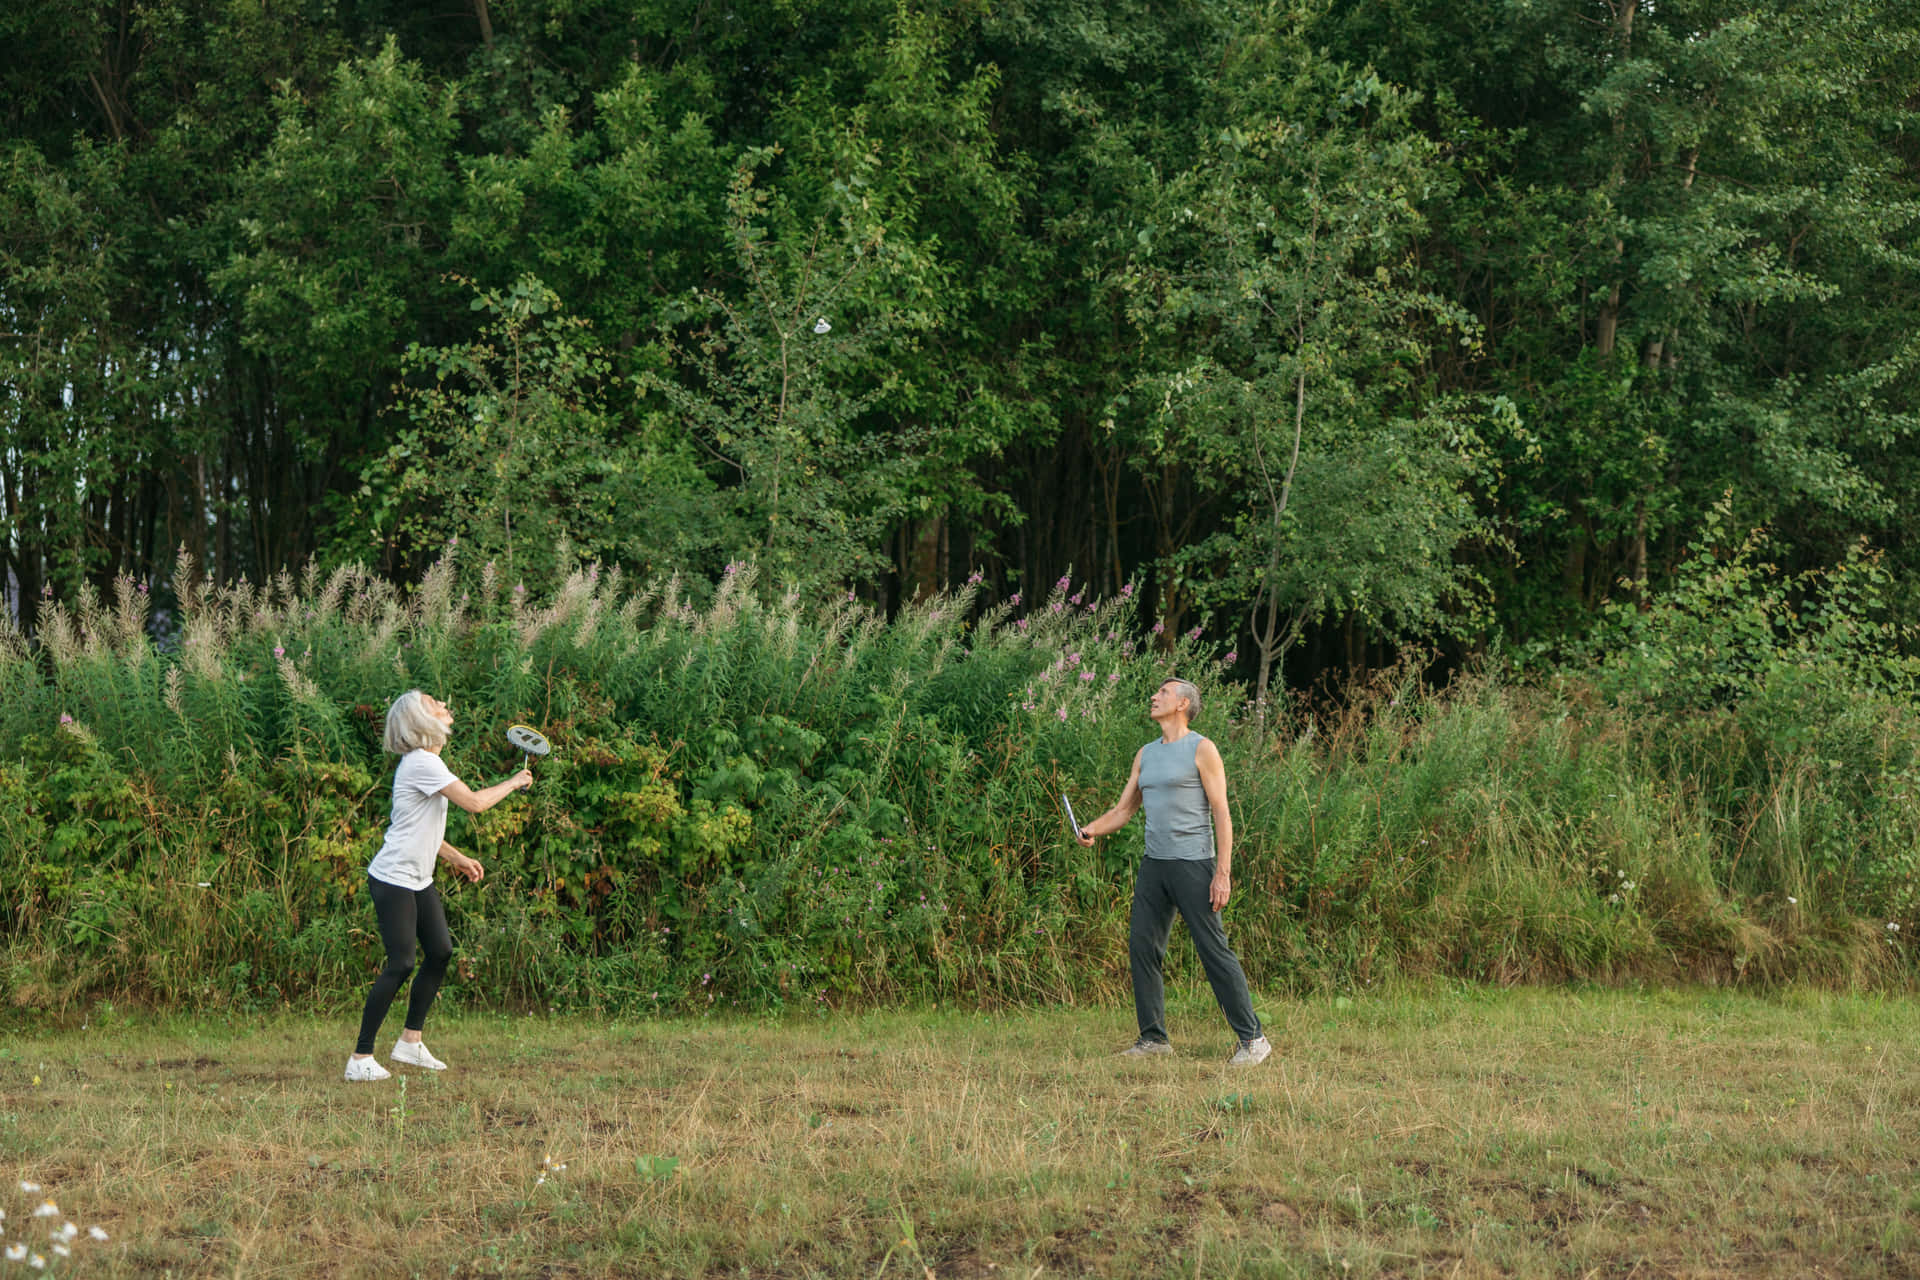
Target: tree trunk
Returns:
[924, 577]
[1637, 551]
[1606, 326]
[1111, 468]
[1263, 637]
[196, 514]
[1271, 641]
[26, 562]
[1573, 567]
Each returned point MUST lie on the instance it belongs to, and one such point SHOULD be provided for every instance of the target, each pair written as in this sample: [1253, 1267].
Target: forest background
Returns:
[911, 363]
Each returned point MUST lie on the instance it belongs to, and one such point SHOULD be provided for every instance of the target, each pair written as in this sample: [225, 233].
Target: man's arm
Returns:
[1122, 811]
[1213, 780]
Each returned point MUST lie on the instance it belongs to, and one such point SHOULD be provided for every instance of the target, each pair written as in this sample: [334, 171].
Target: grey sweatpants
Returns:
[1163, 886]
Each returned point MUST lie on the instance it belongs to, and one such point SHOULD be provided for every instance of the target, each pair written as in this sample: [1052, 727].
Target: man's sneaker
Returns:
[1251, 1052]
[366, 1069]
[414, 1054]
[1145, 1048]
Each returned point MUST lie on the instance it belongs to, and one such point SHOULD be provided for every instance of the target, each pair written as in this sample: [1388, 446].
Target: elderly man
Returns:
[1181, 782]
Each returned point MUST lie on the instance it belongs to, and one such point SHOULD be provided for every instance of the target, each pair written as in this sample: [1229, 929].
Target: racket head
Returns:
[528, 739]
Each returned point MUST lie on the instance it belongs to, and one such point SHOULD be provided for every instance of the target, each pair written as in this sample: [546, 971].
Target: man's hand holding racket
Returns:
[1113, 819]
[1080, 833]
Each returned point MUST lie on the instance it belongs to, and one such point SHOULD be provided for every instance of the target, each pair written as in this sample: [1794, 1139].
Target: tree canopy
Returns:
[1329, 325]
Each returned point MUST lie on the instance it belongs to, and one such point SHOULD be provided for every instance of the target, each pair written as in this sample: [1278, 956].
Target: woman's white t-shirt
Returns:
[419, 822]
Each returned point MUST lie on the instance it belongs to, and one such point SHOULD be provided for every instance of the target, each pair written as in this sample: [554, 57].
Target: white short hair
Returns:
[1188, 690]
[410, 726]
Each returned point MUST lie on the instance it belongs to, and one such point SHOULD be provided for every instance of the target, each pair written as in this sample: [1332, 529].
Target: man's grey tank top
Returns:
[1179, 819]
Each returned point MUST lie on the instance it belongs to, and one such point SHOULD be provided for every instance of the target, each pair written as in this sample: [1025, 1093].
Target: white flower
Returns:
[37, 1262]
[821, 326]
[29, 1187]
[1793, 902]
[47, 1209]
[15, 1252]
[1892, 927]
[66, 1232]
[63, 1251]
[97, 1233]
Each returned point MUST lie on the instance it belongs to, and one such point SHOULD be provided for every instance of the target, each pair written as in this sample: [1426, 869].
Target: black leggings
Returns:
[405, 914]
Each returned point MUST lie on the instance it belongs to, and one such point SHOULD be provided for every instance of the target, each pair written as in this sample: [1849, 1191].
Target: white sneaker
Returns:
[1145, 1048]
[415, 1055]
[366, 1069]
[1251, 1052]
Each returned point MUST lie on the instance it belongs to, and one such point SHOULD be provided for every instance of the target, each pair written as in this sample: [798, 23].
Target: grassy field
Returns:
[1440, 1133]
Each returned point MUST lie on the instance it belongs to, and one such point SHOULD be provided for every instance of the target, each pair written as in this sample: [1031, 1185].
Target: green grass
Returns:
[1466, 1132]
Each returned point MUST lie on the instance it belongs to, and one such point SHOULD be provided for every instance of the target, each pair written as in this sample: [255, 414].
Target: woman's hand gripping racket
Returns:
[531, 742]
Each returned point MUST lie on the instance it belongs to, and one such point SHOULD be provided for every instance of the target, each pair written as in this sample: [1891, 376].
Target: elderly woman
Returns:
[400, 877]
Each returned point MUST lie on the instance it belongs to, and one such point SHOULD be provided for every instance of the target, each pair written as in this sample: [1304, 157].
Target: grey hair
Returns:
[410, 727]
[1188, 690]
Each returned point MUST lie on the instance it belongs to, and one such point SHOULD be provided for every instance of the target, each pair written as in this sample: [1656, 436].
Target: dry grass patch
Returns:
[1443, 1134]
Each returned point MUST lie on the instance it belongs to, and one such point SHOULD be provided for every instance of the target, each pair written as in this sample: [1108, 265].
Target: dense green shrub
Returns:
[759, 800]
